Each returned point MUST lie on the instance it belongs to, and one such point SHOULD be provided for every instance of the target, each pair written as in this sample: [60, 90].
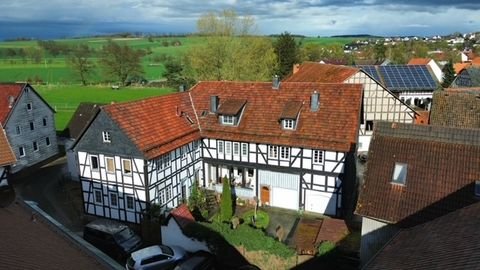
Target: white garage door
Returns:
[321, 202]
[285, 198]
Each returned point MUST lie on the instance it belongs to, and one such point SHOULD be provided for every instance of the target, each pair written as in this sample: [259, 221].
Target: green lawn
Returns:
[65, 98]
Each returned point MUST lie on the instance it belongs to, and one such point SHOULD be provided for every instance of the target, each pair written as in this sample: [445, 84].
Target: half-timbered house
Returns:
[415, 174]
[137, 153]
[29, 124]
[379, 103]
[7, 158]
[291, 145]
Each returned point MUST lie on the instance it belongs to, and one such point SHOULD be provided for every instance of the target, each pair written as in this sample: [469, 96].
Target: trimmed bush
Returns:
[226, 206]
[262, 220]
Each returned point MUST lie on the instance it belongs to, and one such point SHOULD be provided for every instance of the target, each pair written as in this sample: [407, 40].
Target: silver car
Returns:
[155, 257]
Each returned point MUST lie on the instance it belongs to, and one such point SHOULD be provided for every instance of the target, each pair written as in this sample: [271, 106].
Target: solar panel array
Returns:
[403, 77]
[372, 71]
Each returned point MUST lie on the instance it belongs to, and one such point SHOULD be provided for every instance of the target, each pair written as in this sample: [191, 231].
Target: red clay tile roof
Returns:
[321, 73]
[458, 67]
[7, 91]
[476, 61]
[442, 166]
[182, 215]
[333, 127]
[157, 125]
[456, 107]
[291, 110]
[28, 244]
[419, 61]
[449, 242]
[231, 106]
[6, 154]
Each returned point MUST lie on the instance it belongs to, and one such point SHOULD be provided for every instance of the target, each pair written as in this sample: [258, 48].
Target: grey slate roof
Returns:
[449, 242]
[469, 77]
[82, 117]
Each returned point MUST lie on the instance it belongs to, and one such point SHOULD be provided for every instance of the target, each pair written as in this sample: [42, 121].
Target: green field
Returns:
[65, 99]
[55, 70]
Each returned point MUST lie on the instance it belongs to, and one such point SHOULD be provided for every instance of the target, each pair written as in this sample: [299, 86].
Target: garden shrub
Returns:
[226, 206]
[262, 220]
[325, 248]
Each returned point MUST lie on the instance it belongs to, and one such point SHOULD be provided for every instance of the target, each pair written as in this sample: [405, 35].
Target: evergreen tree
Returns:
[286, 50]
[226, 206]
[448, 74]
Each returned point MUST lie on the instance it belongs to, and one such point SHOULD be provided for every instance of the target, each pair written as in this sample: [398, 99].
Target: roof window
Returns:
[399, 173]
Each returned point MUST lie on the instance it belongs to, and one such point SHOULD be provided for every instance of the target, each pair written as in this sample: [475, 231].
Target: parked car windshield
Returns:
[167, 250]
[123, 235]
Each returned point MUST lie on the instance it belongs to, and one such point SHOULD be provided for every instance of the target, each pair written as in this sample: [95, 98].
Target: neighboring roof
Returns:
[456, 107]
[443, 164]
[321, 73]
[8, 91]
[419, 61]
[469, 77]
[231, 106]
[81, 118]
[182, 216]
[157, 125]
[476, 61]
[333, 127]
[12, 92]
[6, 154]
[448, 242]
[30, 242]
[403, 77]
[459, 67]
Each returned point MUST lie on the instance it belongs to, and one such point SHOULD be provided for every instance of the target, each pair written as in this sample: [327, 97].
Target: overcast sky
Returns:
[57, 18]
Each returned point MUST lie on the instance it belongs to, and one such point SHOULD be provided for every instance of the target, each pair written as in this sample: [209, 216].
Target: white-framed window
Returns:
[272, 151]
[220, 147]
[236, 148]
[228, 148]
[113, 200]
[183, 152]
[97, 196]
[288, 124]
[369, 125]
[164, 161]
[35, 146]
[47, 141]
[29, 106]
[44, 121]
[18, 130]
[106, 136]
[399, 173]
[126, 166]
[161, 196]
[21, 151]
[168, 192]
[317, 157]
[110, 164]
[228, 119]
[32, 125]
[284, 152]
[130, 202]
[94, 163]
[244, 149]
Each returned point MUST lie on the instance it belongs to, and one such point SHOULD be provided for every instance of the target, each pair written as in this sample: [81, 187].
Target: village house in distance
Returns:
[29, 124]
[291, 145]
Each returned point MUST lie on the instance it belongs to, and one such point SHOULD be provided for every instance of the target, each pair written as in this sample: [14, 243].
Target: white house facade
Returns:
[274, 144]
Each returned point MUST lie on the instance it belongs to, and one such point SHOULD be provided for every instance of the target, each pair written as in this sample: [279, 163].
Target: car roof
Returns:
[105, 225]
[147, 252]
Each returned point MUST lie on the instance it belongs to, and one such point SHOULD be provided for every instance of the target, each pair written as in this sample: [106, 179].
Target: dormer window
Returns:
[399, 173]
[289, 124]
[228, 120]
[230, 111]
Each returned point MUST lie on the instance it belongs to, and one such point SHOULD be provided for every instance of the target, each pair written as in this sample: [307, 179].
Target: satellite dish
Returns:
[7, 196]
